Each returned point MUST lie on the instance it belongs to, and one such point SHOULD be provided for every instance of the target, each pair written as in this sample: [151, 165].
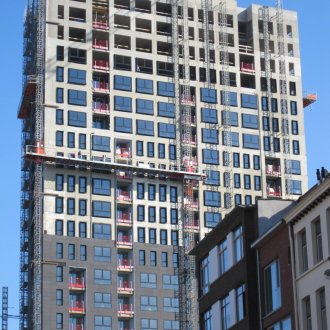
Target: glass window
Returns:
[149, 324]
[82, 207]
[144, 86]
[212, 198]
[123, 83]
[210, 156]
[77, 77]
[251, 141]
[174, 216]
[141, 235]
[151, 192]
[152, 236]
[76, 97]
[102, 322]
[59, 204]
[101, 209]
[165, 89]
[294, 127]
[212, 178]
[166, 130]
[225, 313]
[123, 125]
[83, 252]
[140, 190]
[249, 101]
[59, 227]
[294, 187]
[101, 231]
[166, 110]
[145, 107]
[101, 187]
[208, 95]
[59, 74]
[59, 250]
[172, 152]
[102, 276]
[59, 95]
[151, 214]
[210, 135]
[60, 53]
[171, 325]
[59, 321]
[71, 140]
[232, 98]
[59, 138]
[237, 180]
[162, 215]
[102, 300]
[211, 219]
[71, 183]
[140, 213]
[229, 118]
[59, 117]
[145, 127]
[59, 182]
[234, 138]
[59, 274]
[293, 107]
[240, 303]
[238, 199]
[293, 167]
[102, 253]
[163, 236]
[71, 252]
[204, 275]
[257, 182]
[171, 305]
[150, 149]
[162, 193]
[207, 320]
[317, 241]
[101, 143]
[139, 148]
[148, 280]
[238, 244]
[209, 116]
[82, 184]
[250, 121]
[272, 287]
[265, 123]
[223, 257]
[247, 181]
[122, 103]
[161, 150]
[148, 303]
[70, 228]
[142, 257]
[82, 141]
[295, 147]
[164, 259]
[59, 297]
[82, 229]
[174, 237]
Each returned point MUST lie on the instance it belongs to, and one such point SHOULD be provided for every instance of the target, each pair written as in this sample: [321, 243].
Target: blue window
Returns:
[256, 162]
[76, 97]
[236, 159]
[247, 181]
[162, 193]
[173, 194]
[274, 105]
[267, 146]
[101, 187]
[210, 156]
[246, 160]
[209, 116]
[249, 121]
[102, 253]
[232, 98]
[59, 74]
[59, 204]
[123, 125]
[293, 107]
[70, 206]
[151, 192]
[208, 95]
[212, 198]
[294, 187]
[150, 149]
[166, 130]
[174, 216]
[165, 89]
[293, 167]
[152, 216]
[145, 106]
[101, 209]
[101, 143]
[295, 147]
[140, 190]
[251, 141]
[294, 127]
[101, 231]
[264, 103]
[248, 199]
[144, 86]
[238, 199]
[59, 117]
[145, 127]
[139, 148]
[71, 140]
[211, 219]
[233, 118]
[162, 215]
[249, 101]
[257, 182]
[234, 139]
[59, 95]
[123, 103]
[82, 141]
[77, 119]
[166, 110]
[172, 151]
[212, 178]
[123, 83]
[275, 124]
[210, 135]
[237, 180]
[161, 150]
[77, 77]
[265, 123]
[59, 138]
[140, 213]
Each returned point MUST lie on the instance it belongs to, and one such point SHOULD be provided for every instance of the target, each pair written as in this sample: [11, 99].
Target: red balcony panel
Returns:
[247, 67]
[102, 65]
[77, 283]
[100, 85]
[123, 152]
[188, 100]
[100, 25]
[124, 196]
[274, 191]
[273, 170]
[101, 44]
[77, 307]
[101, 107]
[125, 264]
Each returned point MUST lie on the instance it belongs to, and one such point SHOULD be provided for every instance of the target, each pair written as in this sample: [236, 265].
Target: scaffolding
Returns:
[4, 313]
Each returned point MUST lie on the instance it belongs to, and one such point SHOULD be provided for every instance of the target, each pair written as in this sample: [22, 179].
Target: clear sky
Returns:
[315, 48]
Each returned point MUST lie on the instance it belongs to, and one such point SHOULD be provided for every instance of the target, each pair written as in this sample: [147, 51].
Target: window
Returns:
[317, 241]
[123, 83]
[257, 182]
[162, 215]
[59, 117]
[148, 303]
[265, 123]
[322, 310]
[140, 190]
[71, 140]
[151, 192]
[174, 216]
[148, 280]
[145, 107]
[59, 250]
[256, 162]
[139, 148]
[211, 219]
[249, 101]
[82, 229]
[210, 156]
[267, 145]
[236, 159]
[247, 181]
[144, 86]
[274, 105]
[240, 303]
[295, 147]
[225, 313]
[246, 161]
[71, 252]
[71, 183]
[59, 321]
[59, 74]
[307, 313]
[148, 324]
[59, 138]
[141, 235]
[162, 193]
[59, 95]
[166, 130]
[172, 152]
[152, 236]
[250, 121]
[152, 214]
[212, 178]
[59, 182]
[122, 103]
[59, 274]
[294, 187]
[150, 149]
[101, 187]
[293, 108]
[174, 237]
[175, 260]
[83, 252]
[212, 198]
[208, 95]
[238, 244]
[77, 77]
[102, 300]
[207, 320]
[123, 125]
[82, 141]
[164, 259]
[77, 119]
[209, 116]
[76, 55]
[171, 325]
[282, 325]
[232, 98]
[101, 231]
[82, 184]
[165, 89]
[70, 228]
[238, 199]
[102, 253]
[171, 305]
[276, 144]
[102, 322]
[163, 236]
[140, 213]
[251, 141]
[59, 297]
[59, 227]
[166, 110]
[60, 53]
[272, 287]
[237, 180]
[204, 275]
[70, 206]
[145, 127]
[293, 167]
[161, 150]
[210, 135]
[59, 204]
[76, 97]
[100, 143]
[101, 209]
[223, 257]
[142, 257]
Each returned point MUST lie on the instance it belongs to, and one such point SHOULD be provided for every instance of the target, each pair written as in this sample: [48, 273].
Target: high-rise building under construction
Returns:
[143, 123]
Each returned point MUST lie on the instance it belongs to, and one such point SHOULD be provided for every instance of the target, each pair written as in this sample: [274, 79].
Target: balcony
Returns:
[124, 218]
[247, 67]
[77, 307]
[188, 100]
[124, 175]
[100, 44]
[274, 191]
[125, 265]
[101, 65]
[124, 196]
[100, 24]
[77, 283]
[124, 153]
[273, 170]
[76, 327]
[191, 141]
[125, 287]
[101, 107]
[100, 86]
[125, 311]
[124, 242]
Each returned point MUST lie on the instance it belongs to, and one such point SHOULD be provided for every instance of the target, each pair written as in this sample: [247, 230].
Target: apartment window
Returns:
[101, 231]
[318, 252]
[71, 183]
[234, 138]
[162, 215]
[175, 260]
[250, 121]
[59, 74]
[204, 275]
[76, 97]
[166, 110]
[282, 325]
[165, 89]
[150, 149]
[229, 98]
[123, 83]
[59, 204]
[102, 300]
[71, 228]
[210, 156]
[247, 181]
[172, 152]
[265, 123]
[229, 118]
[59, 95]
[100, 143]
[207, 320]
[142, 257]
[211, 219]
[209, 116]
[294, 187]
[59, 138]
[322, 310]
[240, 303]
[59, 117]
[272, 287]
[139, 148]
[59, 297]
[171, 305]
[208, 95]
[257, 182]
[212, 198]
[295, 147]
[82, 141]
[140, 190]
[59, 227]
[122, 103]
[59, 321]
[123, 125]
[212, 178]
[210, 136]
[71, 252]
[236, 160]
[140, 213]
[144, 86]
[145, 127]
[238, 199]
[59, 274]
[82, 207]
[149, 324]
[71, 209]
[60, 53]
[59, 182]
[225, 313]
[102, 322]
[101, 209]
[145, 107]
[166, 130]
[152, 236]
[77, 119]
[163, 236]
[249, 101]
[77, 77]
[148, 303]
[250, 141]
[101, 187]
[238, 244]
[82, 229]
[161, 150]
[237, 180]
[148, 280]
[293, 108]
[151, 214]
[171, 325]
[102, 253]
[276, 144]
[174, 216]
[267, 145]
[71, 140]
[307, 314]
[83, 252]
[223, 257]
[76, 55]
[294, 127]
[174, 237]
[256, 162]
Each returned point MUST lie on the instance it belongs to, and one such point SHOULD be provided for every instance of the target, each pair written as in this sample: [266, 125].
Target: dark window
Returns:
[70, 207]
[59, 138]
[209, 116]
[166, 110]
[141, 235]
[77, 119]
[293, 107]
[152, 236]
[144, 86]
[267, 145]
[151, 192]
[59, 204]
[174, 216]
[294, 127]
[76, 97]
[145, 107]
[122, 103]
[100, 143]
[236, 159]
[172, 152]
[162, 214]
[142, 257]
[295, 146]
[71, 140]
[162, 193]
[60, 53]
[140, 190]
[166, 130]
[77, 77]
[145, 127]
[82, 229]
[76, 55]
[82, 207]
[59, 182]
[82, 141]
[123, 83]
[82, 184]
[123, 125]
[265, 123]
[246, 161]
[256, 162]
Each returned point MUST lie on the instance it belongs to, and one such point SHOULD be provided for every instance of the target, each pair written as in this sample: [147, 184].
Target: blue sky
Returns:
[313, 18]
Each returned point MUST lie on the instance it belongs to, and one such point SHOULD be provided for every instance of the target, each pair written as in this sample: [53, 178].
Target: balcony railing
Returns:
[101, 44]
[125, 287]
[123, 152]
[273, 170]
[124, 196]
[100, 24]
[125, 310]
[247, 67]
[124, 241]
[76, 327]
[77, 307]
[274, 191]
[102, 65]
[77, 283]
[125, 265]
[100, 85]
[124, 218]
[101, 107]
